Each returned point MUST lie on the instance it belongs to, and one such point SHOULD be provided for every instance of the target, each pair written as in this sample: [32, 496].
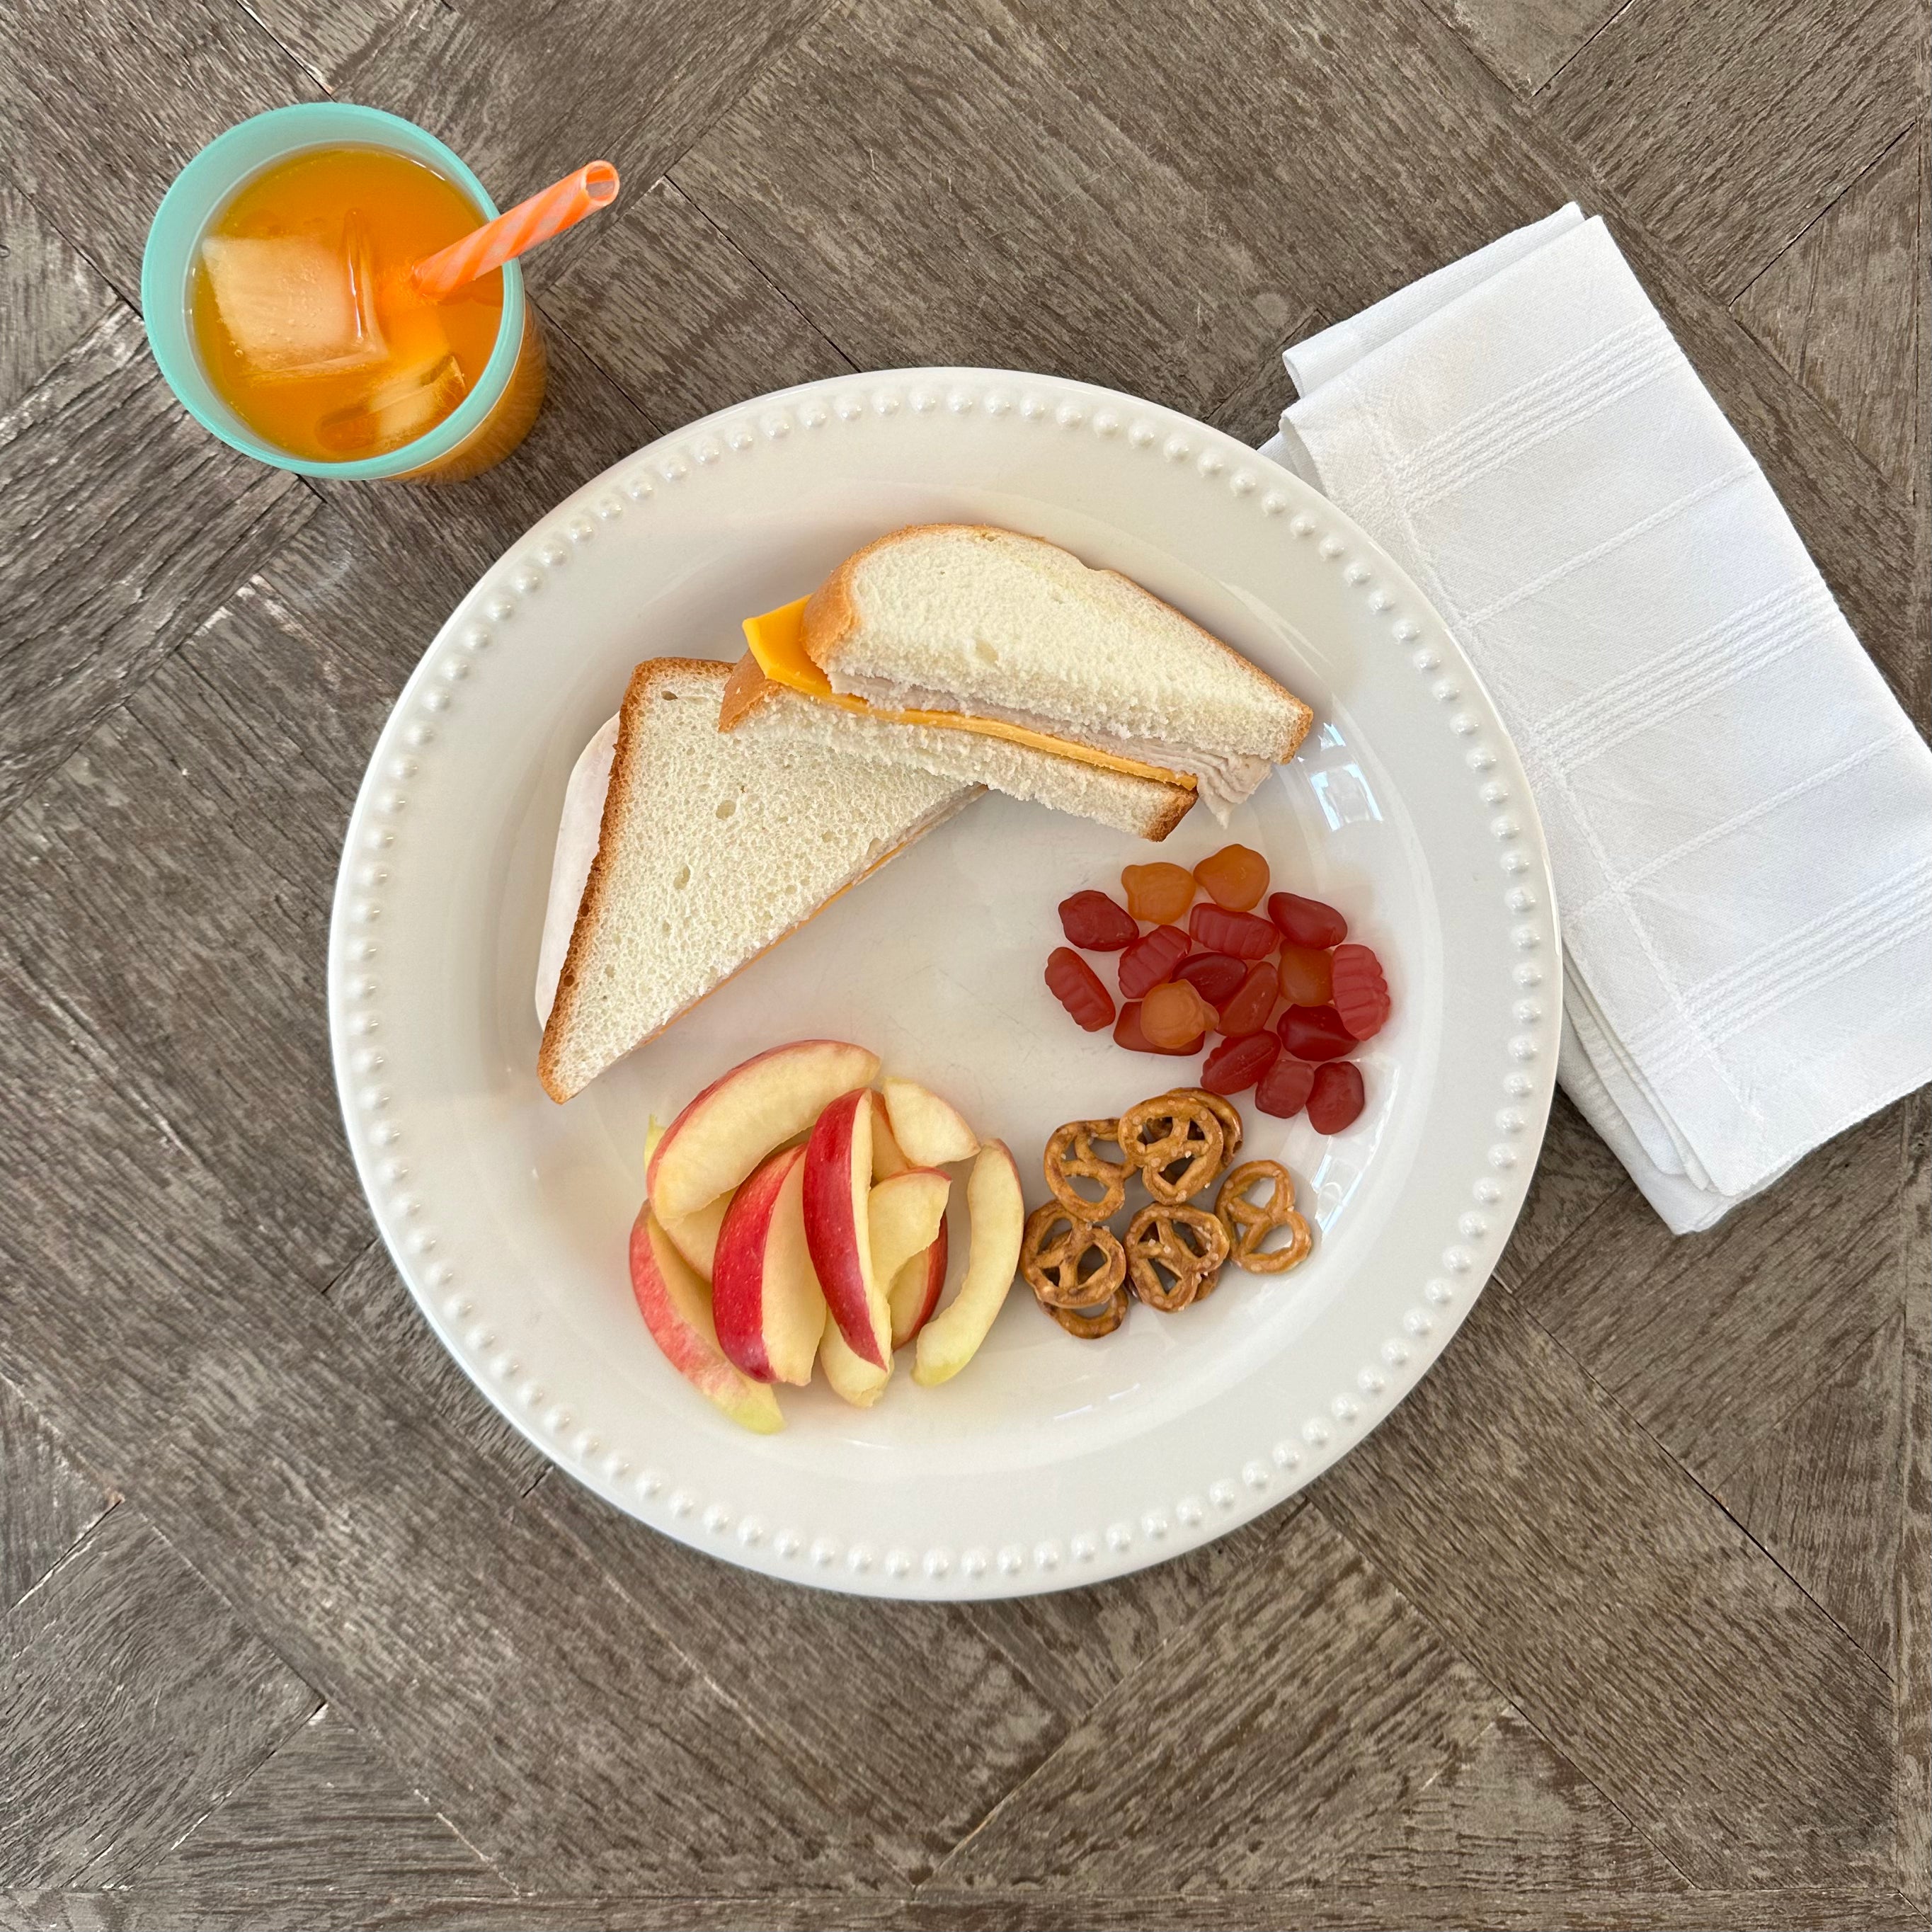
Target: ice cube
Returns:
[293, 304]
[397, 409]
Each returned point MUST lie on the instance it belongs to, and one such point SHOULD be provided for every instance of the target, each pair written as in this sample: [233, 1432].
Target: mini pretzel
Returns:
[1051, 1262]
[1173, 1133]
[1225, 1111]
[1103, 1321]
[1069, 1153]
[1248, 1224]
[1188, 1242]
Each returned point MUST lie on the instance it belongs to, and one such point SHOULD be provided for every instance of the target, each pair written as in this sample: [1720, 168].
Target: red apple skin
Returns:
[935, 1257]
[838, 1180]
[737, 1281]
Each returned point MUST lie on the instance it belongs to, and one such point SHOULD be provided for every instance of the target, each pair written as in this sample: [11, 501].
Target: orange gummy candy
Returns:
[1235, 877]
[1174, 1015]
[1160, 892]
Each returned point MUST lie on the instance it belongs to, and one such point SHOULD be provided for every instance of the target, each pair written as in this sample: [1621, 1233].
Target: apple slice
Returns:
[738, 1119]
[837, 1226]
[905, 1215]
[694, 1236]
[887, 1159]
[916, 1289]
[676, 1308]
[930, 1131]
[857, 1382]
[952, 1338]
[765, 1298]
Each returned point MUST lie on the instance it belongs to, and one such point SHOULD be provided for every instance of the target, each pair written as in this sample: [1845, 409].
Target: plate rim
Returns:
[1250, 480]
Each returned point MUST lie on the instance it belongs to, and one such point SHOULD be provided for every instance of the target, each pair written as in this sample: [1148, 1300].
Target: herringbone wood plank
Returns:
[1622, 1621]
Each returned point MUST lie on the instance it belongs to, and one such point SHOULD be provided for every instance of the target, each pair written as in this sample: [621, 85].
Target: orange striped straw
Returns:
[562, 205]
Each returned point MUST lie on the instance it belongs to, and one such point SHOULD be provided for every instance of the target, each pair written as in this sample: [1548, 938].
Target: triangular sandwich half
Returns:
[979, 653]
[708, 850]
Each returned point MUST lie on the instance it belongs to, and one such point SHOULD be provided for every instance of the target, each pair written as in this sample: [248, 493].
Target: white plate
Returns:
[1049, 1461]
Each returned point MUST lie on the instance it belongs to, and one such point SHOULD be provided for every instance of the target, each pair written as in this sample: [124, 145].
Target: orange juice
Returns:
[302, 313]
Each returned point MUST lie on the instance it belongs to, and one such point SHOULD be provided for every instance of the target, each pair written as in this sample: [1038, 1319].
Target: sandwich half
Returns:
[977, 653]
[684, 853]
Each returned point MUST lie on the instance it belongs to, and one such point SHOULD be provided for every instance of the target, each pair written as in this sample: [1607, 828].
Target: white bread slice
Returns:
[969, 618]
[711, 849]
[758, 709]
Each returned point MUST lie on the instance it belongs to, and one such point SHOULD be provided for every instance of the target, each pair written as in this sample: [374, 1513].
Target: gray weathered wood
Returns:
[325, 1815]
[1576, 1173]
[1844, 309]
[1283, 1728]
[1639, 1629]
[133, 1701]
[122, 524]
[46, 1504]
[1527, 41]
[49, 294]
[1728, 127]
[911, 1720]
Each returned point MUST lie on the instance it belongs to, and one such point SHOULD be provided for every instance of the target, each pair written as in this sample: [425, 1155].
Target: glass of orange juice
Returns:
[279, 306]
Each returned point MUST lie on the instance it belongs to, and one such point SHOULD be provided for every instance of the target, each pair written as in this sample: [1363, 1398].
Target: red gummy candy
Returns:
[1127, 1032]
[1285, 1087]
[1335, 1101]
[1361, 994]
[1078, 987]
[1235, 1065]
[1247, 1011]
[1151, 958]
[1307, 921]
[1240, 933]
[1315, 1033]
[1092, 921]
[1216, 977]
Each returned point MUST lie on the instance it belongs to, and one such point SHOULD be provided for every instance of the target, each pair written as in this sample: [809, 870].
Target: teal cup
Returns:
[484, 426]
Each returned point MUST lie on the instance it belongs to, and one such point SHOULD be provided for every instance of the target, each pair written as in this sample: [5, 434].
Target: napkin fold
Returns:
[1739, 813]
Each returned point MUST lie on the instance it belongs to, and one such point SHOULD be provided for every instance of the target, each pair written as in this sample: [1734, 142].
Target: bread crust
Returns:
[831, 618]
[648, 675]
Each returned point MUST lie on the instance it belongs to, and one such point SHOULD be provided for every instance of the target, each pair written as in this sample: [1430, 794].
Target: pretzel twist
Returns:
[1069, 1155]
[1177, 1143]
[1102, 1321]
[1249, 1223]
[1189, 1242]
[1051, 1261]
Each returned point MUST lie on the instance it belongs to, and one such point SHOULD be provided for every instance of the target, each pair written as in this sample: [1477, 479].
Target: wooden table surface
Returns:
[1621, 1620]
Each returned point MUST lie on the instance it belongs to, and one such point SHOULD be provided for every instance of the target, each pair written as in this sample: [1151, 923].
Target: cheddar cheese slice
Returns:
[777, 639]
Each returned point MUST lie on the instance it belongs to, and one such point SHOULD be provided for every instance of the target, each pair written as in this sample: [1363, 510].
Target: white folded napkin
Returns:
[1739, 814]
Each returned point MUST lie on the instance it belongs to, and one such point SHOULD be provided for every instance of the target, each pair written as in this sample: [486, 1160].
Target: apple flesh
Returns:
[730, 1127]
[676, 1308]
[859, 1383]
[916, 1290]
[931, 1131]
[997, 1208]
[694, 1236]
[837, 1226]
[887, 1157]
[765, 1298]
[904, 1216]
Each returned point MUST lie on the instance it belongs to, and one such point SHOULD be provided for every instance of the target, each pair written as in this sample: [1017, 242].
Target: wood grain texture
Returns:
[325, 1815]
[827, 173]
[1911, 1659]
[1267, 1740]
[122, 524]
[49, 293]
[1576, 1173]
[677, 312]
[1634, 1611]
[1527, 41]
[46, 1503]
[165, 80]
[134, 1700]
[372, 1295]
[1843, 308]
[1727, 127]
[911, 1720]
